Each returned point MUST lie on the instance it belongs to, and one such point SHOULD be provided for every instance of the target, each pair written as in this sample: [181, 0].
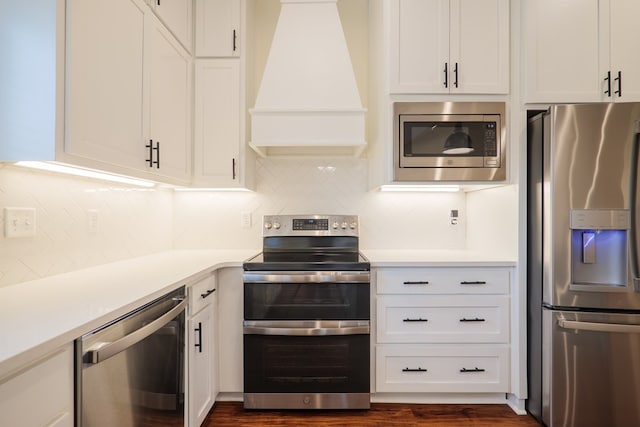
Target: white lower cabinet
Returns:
[442, 330]
[41, 395]
[202, 350]
[442, 369]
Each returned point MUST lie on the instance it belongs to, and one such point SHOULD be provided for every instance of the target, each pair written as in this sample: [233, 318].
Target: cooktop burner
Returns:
[309, 242]
[307, 261]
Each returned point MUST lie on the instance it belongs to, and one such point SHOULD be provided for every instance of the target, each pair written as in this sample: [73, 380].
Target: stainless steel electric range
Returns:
[307, 316]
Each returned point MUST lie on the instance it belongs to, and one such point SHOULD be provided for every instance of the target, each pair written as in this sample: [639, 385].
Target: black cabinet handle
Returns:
[419, 319]
[416, 282]
[151, 148]
[233, 169]
[198, 345]
[465, 370]
[477, 282]
[414, 370]
[475, 319]
[235, 37]
[619, 80]
[608, 80]
[455, 73]
[157, 162]
[206, 294]
[446, 74]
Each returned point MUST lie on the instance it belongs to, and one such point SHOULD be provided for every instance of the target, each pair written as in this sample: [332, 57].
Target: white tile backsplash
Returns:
[131, 222]
[134, 221]
[319, 186]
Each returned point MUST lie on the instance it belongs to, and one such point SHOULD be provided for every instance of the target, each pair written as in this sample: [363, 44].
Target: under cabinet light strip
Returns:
[87, 173]
[420, 188]
[206, 189]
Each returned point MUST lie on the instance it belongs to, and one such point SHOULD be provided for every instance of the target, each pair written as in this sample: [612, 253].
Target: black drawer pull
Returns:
[414, 370]
[209, 292]
[419, 319]
[465, 370]
[417, 282]
[475, 319]
[477, 282]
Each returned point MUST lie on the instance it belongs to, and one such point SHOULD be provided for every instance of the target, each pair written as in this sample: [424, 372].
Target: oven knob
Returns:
[267, 225]
[344, 226]
[353, 226]
[335, 225]
[276, 225]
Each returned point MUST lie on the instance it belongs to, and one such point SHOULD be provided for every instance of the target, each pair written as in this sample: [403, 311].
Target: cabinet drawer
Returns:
[443, 281]
[437, 369]
[200, 293]
[443, 319]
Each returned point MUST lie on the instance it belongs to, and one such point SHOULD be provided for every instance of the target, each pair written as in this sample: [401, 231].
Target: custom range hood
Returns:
[308, 101]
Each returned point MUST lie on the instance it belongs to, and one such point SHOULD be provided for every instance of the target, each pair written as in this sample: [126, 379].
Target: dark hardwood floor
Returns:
[228, 414]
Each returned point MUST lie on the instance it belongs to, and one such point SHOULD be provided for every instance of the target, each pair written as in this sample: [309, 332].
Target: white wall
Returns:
[131, 222]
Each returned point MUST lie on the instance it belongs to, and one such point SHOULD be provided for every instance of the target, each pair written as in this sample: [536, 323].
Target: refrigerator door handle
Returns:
[633, 178]
[598, 327]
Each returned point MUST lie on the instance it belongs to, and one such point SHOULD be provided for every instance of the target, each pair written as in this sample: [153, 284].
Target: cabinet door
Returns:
[419, 46]
[479, 46]
[42, 395]
[104, 79]
[625, 56]
[218, 28]
[201, 365]
[177, 16]
[563, 52]
[167, 101]
[217, 122]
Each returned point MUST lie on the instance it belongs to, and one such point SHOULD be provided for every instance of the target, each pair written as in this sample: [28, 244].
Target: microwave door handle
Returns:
[633, 190]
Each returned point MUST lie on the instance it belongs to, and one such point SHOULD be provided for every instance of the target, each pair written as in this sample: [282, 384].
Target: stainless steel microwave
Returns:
[449, 141]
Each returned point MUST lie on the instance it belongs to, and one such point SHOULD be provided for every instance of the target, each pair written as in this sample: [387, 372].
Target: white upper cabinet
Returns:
[104, 81]
[167, 103]
[449, 46]
[128, 92]
[218, 28]
[581, 50]
[218, 140]
[624, 33]
[177, 15]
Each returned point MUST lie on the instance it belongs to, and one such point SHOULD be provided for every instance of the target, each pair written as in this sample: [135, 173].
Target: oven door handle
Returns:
[358, 328]
[306, 276]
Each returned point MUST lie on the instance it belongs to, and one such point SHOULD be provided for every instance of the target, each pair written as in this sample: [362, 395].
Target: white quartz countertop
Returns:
[436, 258]
[39, 316]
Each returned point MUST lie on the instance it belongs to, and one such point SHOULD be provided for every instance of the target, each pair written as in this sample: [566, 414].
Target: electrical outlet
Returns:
[454, 217]
[19, 222]
[92, 220]
[245, 219]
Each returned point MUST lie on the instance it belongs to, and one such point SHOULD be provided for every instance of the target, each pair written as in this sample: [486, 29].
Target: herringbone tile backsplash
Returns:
[134, 222]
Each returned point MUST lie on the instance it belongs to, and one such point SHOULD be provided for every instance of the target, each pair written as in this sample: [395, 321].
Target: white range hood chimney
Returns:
[308, 101]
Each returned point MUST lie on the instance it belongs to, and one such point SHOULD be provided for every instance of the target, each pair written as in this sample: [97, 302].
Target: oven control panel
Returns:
[310, 225]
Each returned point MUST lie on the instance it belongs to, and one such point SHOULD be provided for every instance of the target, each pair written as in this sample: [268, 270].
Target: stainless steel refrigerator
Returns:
[583, 268]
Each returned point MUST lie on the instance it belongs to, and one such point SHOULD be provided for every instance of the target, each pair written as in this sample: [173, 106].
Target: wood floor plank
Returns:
[232, 414]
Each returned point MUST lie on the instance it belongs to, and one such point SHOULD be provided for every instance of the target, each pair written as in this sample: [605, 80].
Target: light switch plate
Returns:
[19, 222]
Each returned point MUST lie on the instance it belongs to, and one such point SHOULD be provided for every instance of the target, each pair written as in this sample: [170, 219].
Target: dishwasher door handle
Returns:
[104, 350]
[599, 327]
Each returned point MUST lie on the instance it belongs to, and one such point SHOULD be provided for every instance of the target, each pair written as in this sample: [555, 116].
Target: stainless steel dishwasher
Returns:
[130, 372]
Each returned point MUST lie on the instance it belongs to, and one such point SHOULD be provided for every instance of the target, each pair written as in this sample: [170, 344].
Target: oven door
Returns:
[326, 295]
[322, 364]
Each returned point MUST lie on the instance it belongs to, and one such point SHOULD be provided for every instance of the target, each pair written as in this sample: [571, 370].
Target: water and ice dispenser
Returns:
[599, 246]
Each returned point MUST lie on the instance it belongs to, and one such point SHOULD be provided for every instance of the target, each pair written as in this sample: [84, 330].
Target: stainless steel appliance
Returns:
[583, 275]
[306, 316]
[449, 141]
[130, 372]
